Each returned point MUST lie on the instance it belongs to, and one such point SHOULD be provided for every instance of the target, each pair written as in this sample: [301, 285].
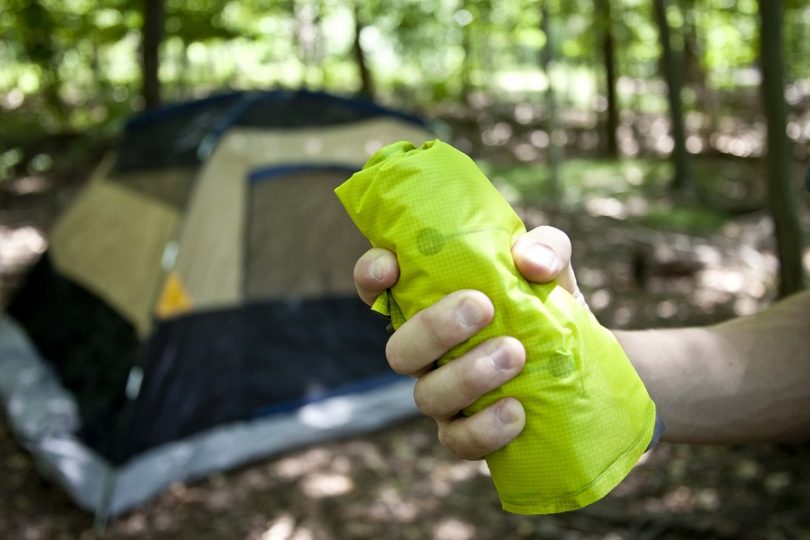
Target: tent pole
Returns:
[102, 515]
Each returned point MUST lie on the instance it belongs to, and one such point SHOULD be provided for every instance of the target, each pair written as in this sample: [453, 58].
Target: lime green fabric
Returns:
[588, 415]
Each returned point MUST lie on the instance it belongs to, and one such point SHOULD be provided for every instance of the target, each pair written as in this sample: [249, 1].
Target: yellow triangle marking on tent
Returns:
[174, 299]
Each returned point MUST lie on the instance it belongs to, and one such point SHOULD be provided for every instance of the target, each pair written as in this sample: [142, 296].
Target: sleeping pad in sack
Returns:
[588, 415]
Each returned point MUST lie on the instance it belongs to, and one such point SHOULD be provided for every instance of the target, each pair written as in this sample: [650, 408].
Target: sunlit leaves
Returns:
[730, 37]
[423, 50]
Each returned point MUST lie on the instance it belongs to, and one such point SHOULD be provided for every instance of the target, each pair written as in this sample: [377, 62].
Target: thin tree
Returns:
[605, 21]
[467, 61]
[36, 26]
[547, 59]
[154, 16]
[306, 17]
[672, 65]
[366, 82]
[781, 196]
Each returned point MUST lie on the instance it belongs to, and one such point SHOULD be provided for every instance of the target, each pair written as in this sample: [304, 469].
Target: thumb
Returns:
[544, 254]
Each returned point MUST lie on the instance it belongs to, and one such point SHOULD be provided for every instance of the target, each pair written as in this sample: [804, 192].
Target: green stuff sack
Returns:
[588, 415]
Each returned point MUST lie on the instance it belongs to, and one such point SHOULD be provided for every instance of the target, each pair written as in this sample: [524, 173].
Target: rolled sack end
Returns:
[397, 149]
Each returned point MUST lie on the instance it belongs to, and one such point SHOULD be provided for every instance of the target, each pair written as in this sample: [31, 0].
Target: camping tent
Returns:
[195, 308]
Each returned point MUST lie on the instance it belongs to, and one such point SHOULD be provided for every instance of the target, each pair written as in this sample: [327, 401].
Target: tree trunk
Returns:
[672, 65]
[151, 36]
[547, 59]
[306, 17]
[366, 82]
[467, 64]
[781, 196]
[36, 26]
[696, 75]
[184, 76]
[609, 58]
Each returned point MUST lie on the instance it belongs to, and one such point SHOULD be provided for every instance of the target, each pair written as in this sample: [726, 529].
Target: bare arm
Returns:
[744, 380]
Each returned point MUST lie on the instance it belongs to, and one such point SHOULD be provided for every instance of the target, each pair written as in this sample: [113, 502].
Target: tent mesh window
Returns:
[171, 136]
[321, 231]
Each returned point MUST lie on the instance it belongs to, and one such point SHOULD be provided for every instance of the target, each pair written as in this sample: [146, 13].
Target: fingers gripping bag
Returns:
[588, 415]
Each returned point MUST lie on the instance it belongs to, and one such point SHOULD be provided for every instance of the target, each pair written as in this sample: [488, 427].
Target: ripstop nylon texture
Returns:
[588, 415]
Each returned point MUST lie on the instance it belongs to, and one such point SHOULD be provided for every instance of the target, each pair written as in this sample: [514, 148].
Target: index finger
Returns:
[426, 336]
[375, 271]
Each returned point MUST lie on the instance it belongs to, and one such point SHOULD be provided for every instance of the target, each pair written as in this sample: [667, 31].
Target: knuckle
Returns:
[473, 377]
[442, 435]
[361, 273]
[434, 403]
[443, 330]
[359, 270]
[464, 440]
[449, 439]
[365, 291]
[395, 361]
[479, 374]
[423, 402]
[477, 439]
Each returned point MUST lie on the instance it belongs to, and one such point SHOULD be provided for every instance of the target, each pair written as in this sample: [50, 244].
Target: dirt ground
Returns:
[399, 483]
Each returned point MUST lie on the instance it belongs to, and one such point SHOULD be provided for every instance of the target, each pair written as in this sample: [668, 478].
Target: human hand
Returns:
[541, 255]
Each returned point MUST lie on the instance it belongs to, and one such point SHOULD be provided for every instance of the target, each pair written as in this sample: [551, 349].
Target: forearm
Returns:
[741, 381]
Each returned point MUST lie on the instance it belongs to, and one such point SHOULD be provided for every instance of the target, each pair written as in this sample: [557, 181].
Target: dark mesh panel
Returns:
[206, 369]
[310, 109]
[91, 346]
[170, 136]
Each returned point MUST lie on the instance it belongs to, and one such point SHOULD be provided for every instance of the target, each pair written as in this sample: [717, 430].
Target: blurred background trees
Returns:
[632, 79]
[80, 58]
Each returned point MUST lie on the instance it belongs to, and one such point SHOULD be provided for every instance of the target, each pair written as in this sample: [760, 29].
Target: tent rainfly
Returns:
[195, 308]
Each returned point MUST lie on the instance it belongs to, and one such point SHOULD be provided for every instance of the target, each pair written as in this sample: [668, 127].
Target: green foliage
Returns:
[729, 38]
[637, 190]
[74, 64]
[199, 20]
[583, 179]
[438, 50]
[694, 220]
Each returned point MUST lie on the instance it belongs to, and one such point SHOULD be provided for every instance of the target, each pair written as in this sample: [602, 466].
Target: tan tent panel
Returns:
[121, 262]
[345, 143]
[280, 264]
[211, 258]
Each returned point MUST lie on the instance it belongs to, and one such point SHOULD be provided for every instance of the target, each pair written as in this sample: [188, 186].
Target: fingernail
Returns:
[540, 255]
[379, 268]
[506, 414]
[470, 313]
[502, 359]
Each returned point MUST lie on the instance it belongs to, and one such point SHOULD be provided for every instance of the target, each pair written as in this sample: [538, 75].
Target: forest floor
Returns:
[399, 483]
